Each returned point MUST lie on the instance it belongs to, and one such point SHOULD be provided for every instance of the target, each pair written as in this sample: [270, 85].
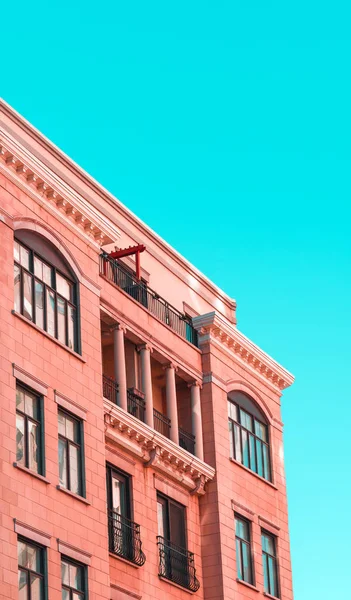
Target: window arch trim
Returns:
[251, 393]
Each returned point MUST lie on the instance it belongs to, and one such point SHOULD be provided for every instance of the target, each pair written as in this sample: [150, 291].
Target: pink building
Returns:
[142, 451]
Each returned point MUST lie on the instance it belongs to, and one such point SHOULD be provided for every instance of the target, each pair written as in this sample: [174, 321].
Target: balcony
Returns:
[177, 565]
[124, 538]
[187, 441]
[120, 275]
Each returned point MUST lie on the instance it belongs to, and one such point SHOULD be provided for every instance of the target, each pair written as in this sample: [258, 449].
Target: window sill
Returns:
[50, 337]
[125, 560]
[76, 496]
[236, 462]
[33, 473]
[180, 587]
[270, 596]
[249, 585]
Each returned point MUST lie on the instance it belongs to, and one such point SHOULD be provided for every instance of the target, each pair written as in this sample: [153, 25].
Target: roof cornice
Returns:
[212, 327]
[116, 205]
[50, 191]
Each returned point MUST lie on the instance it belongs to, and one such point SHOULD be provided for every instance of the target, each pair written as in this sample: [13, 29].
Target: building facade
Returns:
[141, 450]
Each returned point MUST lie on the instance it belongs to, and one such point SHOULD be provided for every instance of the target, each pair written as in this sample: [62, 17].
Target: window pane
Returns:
[231, 440]
[74, 469]
[33, 446]
[265, 573]
[72, 429]
[16, 251]
[65, 595]
[22, 585]
[246, 420]
[39, 304]
[47, 274]
[246, 562]
[20, 444]
[36, 588]
[61, 320]
[259, 457]
[63, 287]
[50, 312]
[237, 443]
[266, 466]
[65, 573]
[27, 296]
[77, 596]
[160, 520]
[242, 529]
[261, 430]
[245, 448]
[17, 288]
[71, 327]
[38, 268]
[76, 577]
[28, 556]
[24, 257]
[62, 424]
[20, 399]
[268, 544]
[31, 405]
[232, 411]
[238, 559]
[62, 462]
[22, 554]
[272, 576]
[252, 453]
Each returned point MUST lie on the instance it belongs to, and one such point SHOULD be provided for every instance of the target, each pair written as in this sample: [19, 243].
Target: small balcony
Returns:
[177, 565]
[121, 276]
[124, 538]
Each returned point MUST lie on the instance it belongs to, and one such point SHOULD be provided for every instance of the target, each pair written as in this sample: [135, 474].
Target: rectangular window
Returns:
[73, 576]
[123, 533]
[243, 549]
[269, 558]
[31, 571]
[29, 428]
[70, 430]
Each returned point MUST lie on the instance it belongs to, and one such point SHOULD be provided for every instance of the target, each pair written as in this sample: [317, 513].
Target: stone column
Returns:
[171, 399]
[196, 419]
[146, 383]
[120, 365]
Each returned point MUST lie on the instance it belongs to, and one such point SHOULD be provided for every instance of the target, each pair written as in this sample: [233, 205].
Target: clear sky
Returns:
[226, 127]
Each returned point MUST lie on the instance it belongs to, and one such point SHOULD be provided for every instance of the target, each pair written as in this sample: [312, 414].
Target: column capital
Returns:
[120, 327]
[195, 383]
[170, 365]
[145, 346]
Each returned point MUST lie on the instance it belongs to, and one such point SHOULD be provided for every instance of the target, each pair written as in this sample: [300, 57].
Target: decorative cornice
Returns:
[155, 450]
[213, 328]
[36, 179]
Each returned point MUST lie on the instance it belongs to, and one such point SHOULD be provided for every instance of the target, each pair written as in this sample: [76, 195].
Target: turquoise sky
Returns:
[226, 127]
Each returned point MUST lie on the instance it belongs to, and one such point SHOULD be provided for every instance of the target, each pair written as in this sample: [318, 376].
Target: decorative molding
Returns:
[119, 593]
[32, 533]
[236, 506]
[73, 552]
[168, 488]
[155, 450]
[76, 409]
[213, 328]
[267, 524]
[49, 191]
[33, 382]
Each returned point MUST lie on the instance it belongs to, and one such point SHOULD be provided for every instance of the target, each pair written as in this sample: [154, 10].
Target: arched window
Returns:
[248, 434]
[46, 289]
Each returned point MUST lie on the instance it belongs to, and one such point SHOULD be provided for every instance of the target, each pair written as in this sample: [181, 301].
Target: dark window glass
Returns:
[45, 296]
[70, 452]
[28, 430]
[73, 576]
[30, 571]
[269, 558]
[243, 550]
[249, 440]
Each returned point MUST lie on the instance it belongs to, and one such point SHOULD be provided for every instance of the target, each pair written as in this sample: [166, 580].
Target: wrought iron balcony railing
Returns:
[109, 388]
[119, 275]
[162, 424]
[136, 405]
[124, 538]
[187, 441]
[177, 565]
